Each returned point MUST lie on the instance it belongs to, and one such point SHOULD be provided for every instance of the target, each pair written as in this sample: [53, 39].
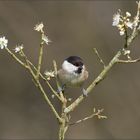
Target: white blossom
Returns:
[122, 32]
[128, 14]
[69, 99]
[49, 74]
[46, 39]
[18, 48]
[53, 96]
[116, 19]
[3, 42]
[126, 52]
[129, 24]
[39, 27]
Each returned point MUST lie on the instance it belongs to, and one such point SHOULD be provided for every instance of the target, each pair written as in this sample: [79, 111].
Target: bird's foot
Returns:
[61, 89]
[85, 94]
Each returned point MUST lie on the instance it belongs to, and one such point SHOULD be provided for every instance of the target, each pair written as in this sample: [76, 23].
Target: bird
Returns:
[73, 73]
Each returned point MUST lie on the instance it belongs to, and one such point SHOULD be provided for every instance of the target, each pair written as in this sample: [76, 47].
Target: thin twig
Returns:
[128, 61]
[57, 83]
[104, 72]
[136, 29]
[16, 58]
[126, 38]
[65, 120]
[44, 94]
[49, 102]
[55, 70]
[100, 59]
[99, 78]
[37, 82]
[47, 82]
[42, 91]
[39, 60]
[98, 114]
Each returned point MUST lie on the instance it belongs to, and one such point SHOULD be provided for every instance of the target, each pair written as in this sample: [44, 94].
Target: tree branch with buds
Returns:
[121, 23]
[96, 113]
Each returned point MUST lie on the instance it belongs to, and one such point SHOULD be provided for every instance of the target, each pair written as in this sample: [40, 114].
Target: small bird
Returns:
[73, 72]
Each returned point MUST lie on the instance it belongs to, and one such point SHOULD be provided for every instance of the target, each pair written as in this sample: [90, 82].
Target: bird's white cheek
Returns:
[68, 67]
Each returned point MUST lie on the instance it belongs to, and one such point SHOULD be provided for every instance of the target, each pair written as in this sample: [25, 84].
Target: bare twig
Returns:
[100, 59]
[55, 70]
[16, 58]
[49, 102]
[47, 82]
[57, 82]
[44, 94]
[40, 60]
[94, 114]
[94, 83]
[136, 29]
[65, 120]
[37, 82]
[126, 38]
[104, 72]
[128, 61]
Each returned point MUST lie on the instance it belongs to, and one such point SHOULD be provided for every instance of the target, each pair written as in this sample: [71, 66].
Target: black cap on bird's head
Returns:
[73, 71]
[75, 60]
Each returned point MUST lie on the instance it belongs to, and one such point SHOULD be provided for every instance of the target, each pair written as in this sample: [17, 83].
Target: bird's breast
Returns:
[72, 79]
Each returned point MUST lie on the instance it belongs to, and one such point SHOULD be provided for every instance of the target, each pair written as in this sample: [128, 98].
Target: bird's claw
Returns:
[85, 93]
[61, 89]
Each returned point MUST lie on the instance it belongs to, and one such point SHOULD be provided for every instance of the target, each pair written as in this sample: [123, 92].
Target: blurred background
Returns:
[75, 28]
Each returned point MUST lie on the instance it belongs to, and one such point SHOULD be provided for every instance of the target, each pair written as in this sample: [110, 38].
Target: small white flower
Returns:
[128, 14]
[116, 19]
[53, 96]
[18, 48]
[39, 27]
[69, 99]
[49, 74]
[46, 39]
[122, 32]
[129, 24]
[126, 52]
[3, 42]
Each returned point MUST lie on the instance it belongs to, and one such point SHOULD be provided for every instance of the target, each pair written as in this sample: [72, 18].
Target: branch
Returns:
[57, 83]
[136, 29]
[49, 102]
[40, 60]
[47, 82]
[100, 59]
[36, 80]
[16, 58]
[94, 83]
[45, 96]
[128, 61]
[98, 114]
[128, 41]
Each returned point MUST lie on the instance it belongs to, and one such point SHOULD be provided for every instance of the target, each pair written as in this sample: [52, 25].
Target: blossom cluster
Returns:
[124, 22]
[18, 48]
[39, 28]
[3, 42]
[49, 74]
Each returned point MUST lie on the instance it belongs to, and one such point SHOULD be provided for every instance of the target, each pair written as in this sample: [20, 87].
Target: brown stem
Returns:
[65, 121]
[39, 60]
